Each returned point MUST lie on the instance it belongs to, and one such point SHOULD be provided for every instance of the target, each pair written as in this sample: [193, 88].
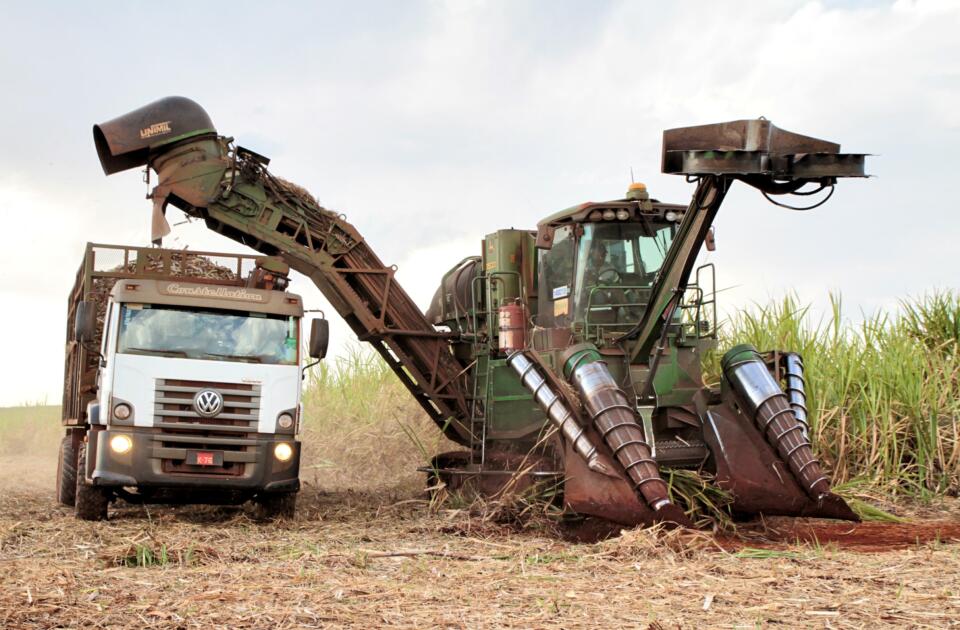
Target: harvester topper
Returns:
[569, 355]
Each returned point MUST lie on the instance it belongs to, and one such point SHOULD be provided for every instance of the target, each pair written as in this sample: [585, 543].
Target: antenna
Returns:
[632, 180]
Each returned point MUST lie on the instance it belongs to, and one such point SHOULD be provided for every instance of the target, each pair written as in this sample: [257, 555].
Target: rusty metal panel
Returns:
[588, 492]
[125, 141]
[749, 468]
[754, 147]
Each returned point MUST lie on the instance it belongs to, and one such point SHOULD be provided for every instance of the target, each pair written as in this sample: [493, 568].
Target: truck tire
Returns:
[279, 505]
[67, 472]
[91, 501]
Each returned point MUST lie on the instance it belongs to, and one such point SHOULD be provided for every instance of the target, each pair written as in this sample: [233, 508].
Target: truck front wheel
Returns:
[280, 505]
[67, 472]
[91, 501]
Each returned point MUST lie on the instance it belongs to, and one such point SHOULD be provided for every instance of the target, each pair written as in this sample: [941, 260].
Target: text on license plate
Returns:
[205, 458]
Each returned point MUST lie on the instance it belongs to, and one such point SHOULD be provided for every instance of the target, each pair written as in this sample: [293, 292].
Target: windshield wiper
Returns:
[252, 358]
[162, 352]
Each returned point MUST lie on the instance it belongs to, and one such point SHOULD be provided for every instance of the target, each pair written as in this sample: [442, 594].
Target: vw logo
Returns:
[208, 403]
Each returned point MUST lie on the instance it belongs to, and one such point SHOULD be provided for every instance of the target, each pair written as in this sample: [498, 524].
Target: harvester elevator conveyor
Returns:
[208, 177]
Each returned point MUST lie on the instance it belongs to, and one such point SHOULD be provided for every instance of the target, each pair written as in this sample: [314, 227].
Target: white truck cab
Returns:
[197, 392]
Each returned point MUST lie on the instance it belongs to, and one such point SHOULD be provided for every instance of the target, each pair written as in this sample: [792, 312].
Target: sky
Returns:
[431, 124]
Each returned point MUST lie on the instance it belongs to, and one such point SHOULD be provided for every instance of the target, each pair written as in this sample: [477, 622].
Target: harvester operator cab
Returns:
[603, 262]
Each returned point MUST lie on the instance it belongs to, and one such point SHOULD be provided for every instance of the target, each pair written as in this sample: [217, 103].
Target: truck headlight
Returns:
[283, 451]
[121, 444]
[122, 411]
[285, 421]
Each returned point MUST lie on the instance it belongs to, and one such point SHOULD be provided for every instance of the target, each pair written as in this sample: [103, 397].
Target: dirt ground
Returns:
[385, 559]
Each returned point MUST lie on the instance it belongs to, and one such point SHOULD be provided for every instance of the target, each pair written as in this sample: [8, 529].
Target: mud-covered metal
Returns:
[755, 147]
[767, 405]
[504, 473]
[611, 498]
[616, 419]
[126, 141]
[750, 469]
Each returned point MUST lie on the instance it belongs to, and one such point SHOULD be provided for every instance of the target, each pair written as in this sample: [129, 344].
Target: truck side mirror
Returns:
[319, 338]
[85, 324]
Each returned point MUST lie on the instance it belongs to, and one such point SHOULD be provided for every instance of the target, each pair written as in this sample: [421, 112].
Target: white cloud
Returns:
[433, 124]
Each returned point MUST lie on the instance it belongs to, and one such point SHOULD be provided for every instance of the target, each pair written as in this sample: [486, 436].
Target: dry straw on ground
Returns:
[370, 560]
[370, 551]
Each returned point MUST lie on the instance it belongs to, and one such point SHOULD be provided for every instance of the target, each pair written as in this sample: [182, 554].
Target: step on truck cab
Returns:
[182, 381]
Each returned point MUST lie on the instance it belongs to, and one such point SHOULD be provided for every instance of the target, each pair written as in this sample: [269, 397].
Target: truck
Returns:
[569, 354]
[182, 381]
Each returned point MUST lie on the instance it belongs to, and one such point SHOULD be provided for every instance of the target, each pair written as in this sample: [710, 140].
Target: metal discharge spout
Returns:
[128, 141]
[558, 413]
[616, 420]
[768, 406]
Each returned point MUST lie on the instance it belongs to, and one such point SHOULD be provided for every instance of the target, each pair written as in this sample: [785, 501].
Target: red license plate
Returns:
[205, 458]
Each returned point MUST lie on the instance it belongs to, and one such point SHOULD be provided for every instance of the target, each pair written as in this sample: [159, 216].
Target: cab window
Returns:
[556, 280]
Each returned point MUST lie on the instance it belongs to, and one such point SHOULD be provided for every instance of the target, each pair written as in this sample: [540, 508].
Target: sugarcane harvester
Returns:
[569, 354]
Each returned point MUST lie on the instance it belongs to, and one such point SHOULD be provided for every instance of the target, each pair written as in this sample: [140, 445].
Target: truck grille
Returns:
[181, 427]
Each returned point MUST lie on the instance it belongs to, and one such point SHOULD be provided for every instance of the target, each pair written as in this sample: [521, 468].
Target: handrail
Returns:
[612, 325]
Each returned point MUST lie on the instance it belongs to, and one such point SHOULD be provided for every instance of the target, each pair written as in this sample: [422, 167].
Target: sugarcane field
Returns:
[426, 314]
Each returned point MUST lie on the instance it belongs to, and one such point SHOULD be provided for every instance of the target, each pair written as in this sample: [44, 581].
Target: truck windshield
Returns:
[617, 264]
[217, 335]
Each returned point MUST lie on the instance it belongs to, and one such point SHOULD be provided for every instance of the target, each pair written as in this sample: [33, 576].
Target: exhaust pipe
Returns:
[769, 407]
[558, 413]
[616, 420]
